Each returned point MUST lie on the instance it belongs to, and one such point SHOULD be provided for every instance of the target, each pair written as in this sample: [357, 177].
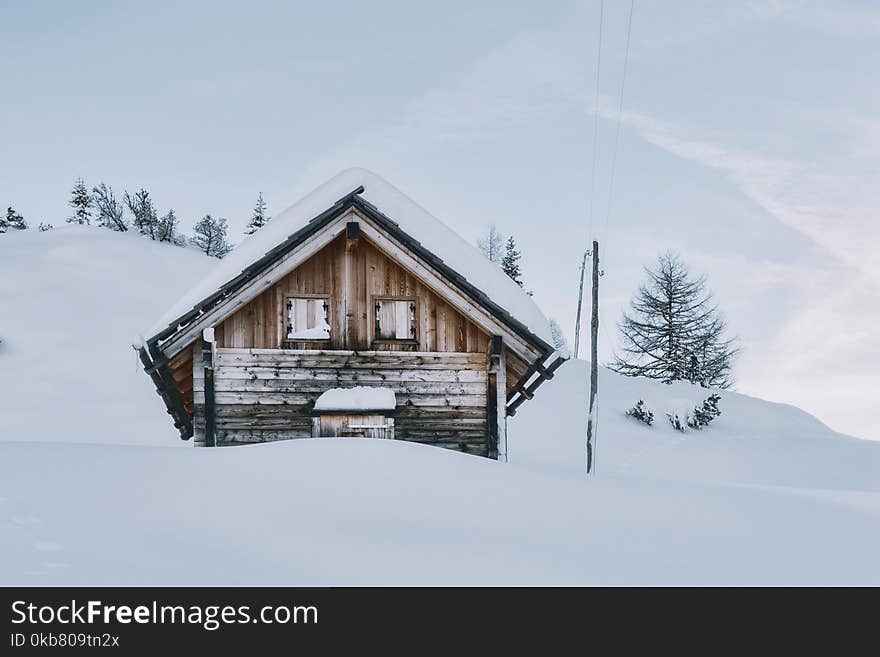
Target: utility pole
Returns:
[594, 368]
[577, 322]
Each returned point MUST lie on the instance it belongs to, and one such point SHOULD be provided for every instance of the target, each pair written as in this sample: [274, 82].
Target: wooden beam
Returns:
[167, 389]
[349, 283]
[210, 407]
[492, 411]
[497, 354]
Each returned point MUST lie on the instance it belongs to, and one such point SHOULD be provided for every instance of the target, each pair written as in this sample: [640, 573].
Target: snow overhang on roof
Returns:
[460, 261]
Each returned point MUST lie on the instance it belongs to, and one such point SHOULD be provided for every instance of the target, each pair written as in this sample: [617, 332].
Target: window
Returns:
[308, 318]
[395, 319]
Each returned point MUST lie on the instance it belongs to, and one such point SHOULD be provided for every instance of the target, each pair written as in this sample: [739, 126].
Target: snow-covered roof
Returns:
[414, 220]
[358, 398]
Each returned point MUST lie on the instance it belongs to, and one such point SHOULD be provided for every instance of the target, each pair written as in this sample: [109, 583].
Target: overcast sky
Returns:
[749, 142]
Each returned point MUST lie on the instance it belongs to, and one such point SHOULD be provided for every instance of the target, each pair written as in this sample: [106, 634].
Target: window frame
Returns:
[414, 326]
[287, 298]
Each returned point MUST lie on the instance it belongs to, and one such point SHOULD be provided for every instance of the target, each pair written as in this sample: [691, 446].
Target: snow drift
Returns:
[376, 512]
[72, 300]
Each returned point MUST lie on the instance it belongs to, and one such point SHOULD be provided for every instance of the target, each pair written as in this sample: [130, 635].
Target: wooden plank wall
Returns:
[181, 367]
[260, 324]
[268, 394]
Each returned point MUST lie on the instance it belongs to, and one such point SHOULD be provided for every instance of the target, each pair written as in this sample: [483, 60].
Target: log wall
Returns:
[268, 394]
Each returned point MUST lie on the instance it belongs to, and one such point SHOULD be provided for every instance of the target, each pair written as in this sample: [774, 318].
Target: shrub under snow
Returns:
[640, 413]
[676, 421]
[704, 414]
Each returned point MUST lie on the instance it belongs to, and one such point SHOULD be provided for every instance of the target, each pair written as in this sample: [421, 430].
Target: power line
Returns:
[619, 120]
[577, 319]
[615, 149]
[596, 117]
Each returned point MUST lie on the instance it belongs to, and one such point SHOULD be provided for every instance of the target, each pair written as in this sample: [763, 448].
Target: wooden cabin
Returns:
[354, 286]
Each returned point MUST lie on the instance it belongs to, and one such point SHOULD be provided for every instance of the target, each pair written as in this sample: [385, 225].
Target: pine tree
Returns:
[166, 229]
[143, 213]
[510, 261]
[674, 332]
[110, 212]
[209, 235]
[45, 227]
[81, 203]
[558, 337]
[12, 221]
[491, 245]
[703, 415]
[259, 218]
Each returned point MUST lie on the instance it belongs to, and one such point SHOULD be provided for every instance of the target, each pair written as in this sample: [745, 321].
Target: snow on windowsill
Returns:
[321, 332]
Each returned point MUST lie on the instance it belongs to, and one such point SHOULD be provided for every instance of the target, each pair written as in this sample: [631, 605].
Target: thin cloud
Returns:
[835, 203]
[841, 19]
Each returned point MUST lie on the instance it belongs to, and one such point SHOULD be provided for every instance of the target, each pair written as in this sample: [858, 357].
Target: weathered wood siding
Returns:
[181, 368]
[351, 274]
[364, 426]
[268, 394]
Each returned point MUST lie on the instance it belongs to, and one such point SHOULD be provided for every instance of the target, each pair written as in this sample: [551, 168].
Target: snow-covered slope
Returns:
[765, 494]
[752, 442]
[72, 301]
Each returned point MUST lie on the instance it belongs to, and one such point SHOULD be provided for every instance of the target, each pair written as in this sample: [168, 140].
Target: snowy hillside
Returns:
[765, 494]
[752, 442]
[72, 301]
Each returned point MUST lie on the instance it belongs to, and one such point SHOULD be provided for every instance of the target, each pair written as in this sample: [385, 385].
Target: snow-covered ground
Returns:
[72, 301]
[765, 494]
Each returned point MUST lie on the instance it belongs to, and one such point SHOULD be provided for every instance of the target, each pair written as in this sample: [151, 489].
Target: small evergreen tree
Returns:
[491, 245]
[166, 229]
[676, 422]
[81, 202]
[143, 213]
[12, 221]
[259, 218]
[209, 235]
[704, 414]
[45, 227]
[510, 261]
[110, 212]
[642, 414]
